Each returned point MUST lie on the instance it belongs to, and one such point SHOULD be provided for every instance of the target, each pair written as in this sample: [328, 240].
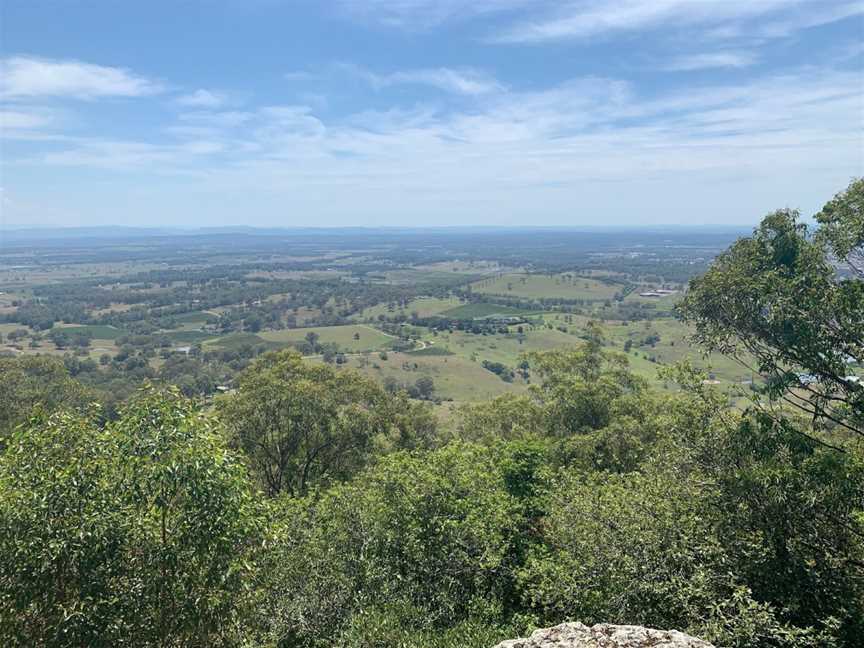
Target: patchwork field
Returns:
[99, 332]
[483, 309]
[455, 377]
[423, 306]
[537, 286]
[503, 348]
[367, 338]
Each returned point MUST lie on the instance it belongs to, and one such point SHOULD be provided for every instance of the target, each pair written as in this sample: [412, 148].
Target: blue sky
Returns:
[427, 112]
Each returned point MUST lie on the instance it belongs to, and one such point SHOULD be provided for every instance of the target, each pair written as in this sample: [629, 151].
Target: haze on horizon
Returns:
[427, 112]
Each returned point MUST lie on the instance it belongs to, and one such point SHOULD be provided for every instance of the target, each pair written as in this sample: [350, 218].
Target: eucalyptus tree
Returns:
[788, 303]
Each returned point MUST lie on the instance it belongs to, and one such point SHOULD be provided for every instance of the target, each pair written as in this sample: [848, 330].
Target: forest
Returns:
[264, 451]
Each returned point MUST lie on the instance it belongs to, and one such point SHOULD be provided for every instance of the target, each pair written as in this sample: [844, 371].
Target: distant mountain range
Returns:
[19, 233]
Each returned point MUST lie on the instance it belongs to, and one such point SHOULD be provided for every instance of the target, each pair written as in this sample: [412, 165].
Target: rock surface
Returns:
[604, 635]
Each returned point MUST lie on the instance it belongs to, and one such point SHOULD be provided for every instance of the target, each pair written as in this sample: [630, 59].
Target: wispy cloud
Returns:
[424, 14]
[302, 75]
[12, 120]
[22, 76]
[463, 81]
[202, 99]
[817, 14]
[709, 60]
[592, 18]
[583, 128]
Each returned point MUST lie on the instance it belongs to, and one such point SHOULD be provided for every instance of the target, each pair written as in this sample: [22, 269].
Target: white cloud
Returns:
[466, 82]
[592, 18]
[560, 150]
[31, 77]
[302, 75]
[202, 99]
[705, 61]
[820, 13]
[17, 120]
[221, 119]
[463, 81]
[423, 14]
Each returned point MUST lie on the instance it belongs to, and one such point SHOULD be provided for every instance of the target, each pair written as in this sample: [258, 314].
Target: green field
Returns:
[504, 348]
[430, 351]
[370, 339]
[195, 317]
[188, 337]
[537, 286]
[97, 331]
[423, 306]
[673, 346]
[237, 340]
[5, 329]
[455, 377]
[482, 309]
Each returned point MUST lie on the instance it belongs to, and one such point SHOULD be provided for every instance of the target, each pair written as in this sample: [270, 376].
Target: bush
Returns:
[429, 535]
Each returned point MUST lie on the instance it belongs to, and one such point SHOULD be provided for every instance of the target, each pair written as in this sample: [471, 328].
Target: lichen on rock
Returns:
[605, 635]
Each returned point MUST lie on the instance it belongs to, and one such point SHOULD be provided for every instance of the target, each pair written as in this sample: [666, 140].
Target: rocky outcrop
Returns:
[604, 635]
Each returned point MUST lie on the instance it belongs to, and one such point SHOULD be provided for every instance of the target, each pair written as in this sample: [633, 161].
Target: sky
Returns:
[426, 112]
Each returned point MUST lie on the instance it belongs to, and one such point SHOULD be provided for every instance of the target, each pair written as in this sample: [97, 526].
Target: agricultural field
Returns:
[666, 341]
[359, 292]
[481, 310]
[95, 331]
[352, 338]
[465, 267]
[456, 378]
[540, 286]
[423, 306]
[504, 348]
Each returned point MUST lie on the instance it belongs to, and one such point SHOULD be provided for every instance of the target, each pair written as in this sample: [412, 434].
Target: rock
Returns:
[605, 635]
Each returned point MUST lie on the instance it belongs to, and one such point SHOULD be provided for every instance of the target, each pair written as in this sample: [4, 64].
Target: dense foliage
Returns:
[312, 507]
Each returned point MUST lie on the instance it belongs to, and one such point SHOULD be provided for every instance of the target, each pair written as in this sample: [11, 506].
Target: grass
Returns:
[237, 340]
[504, 348]
[97, 331]
[368, 338]
[478, 310]
[6, 329]
[430, 351]
[455, 378]
[537, 286]
[412, 276]
[423, 306]
[465, 267]
[188, 337]
[672, 347]
[196, 317]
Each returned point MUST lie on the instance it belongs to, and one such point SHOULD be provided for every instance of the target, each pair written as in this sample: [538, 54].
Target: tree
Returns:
[29, 382]
[641, 549]
[312, 339]
[303, 425]
[391, 385]
[842, 226]
[774, 301]
[421, 540]
[136, 534]
[425, 387]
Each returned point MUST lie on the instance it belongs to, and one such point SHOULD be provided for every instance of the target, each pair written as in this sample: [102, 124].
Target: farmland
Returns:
[395, 314]
[351, 338]
[541, 286]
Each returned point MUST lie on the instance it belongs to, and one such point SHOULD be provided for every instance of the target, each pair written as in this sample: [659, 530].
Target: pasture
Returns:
[540, 286]
[483, 309]
[367, 338]
[423, 306]
[455, 377]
